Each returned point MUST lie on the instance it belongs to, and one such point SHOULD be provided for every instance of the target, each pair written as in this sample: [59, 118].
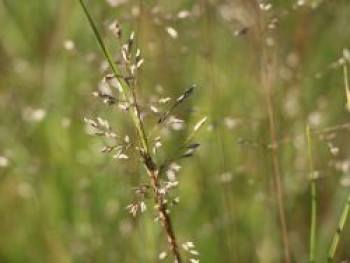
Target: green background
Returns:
[61, 200]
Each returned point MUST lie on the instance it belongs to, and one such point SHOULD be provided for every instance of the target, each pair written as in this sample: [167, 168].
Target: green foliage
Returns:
[62, 200]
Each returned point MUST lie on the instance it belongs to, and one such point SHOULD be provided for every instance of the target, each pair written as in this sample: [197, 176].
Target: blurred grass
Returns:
[63, 201]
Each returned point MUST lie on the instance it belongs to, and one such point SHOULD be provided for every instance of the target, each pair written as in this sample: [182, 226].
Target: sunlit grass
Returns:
[64, 201]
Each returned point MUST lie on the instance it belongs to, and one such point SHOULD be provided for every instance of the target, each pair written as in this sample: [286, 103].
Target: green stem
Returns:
[313, 198]
[125, 92]
[340, 229]
[151, 167]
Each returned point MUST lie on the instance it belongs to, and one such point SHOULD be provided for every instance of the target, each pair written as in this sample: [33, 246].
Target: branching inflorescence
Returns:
[122, 80]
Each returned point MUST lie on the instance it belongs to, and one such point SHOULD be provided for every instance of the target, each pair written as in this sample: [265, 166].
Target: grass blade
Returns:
[101, 42]
[125, 93]
[347, 89]
[340, 229]
[313, 198]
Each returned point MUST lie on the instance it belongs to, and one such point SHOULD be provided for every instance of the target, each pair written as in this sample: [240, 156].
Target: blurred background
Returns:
[62, 200]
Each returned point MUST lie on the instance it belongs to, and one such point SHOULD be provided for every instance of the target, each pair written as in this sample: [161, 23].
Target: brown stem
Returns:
[277, 179]
[164, 218]
[153, 171]
[278, 183]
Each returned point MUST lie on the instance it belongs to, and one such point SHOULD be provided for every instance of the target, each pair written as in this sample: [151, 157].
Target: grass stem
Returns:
[340, 229]
[277, 178]
[150, 166]
[313, 198]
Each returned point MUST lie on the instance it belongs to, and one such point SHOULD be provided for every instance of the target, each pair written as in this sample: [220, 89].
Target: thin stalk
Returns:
[278, 184]
[125, 92]
[313, 198]
[277, 178]
[347, 89]
[346, 208]
[152, 170]
[340, 229]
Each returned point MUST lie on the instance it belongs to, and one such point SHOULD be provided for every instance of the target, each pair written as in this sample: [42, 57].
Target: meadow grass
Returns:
[262, 74]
